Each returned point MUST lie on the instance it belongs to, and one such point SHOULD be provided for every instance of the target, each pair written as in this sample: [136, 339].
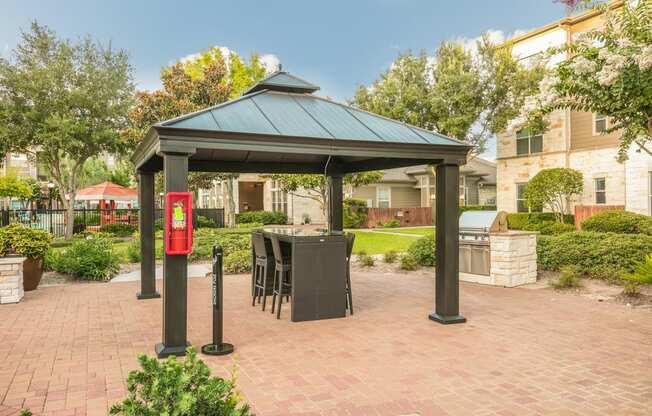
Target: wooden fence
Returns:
[406, 216]
[583, 212]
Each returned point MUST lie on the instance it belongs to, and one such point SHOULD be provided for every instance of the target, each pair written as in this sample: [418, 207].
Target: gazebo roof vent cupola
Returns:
[284, 82]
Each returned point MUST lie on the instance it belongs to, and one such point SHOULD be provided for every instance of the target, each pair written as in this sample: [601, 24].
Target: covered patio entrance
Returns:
[279, 126]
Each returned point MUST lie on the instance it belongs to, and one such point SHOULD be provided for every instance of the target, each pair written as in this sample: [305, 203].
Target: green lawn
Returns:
[414, 231]
[377, 243]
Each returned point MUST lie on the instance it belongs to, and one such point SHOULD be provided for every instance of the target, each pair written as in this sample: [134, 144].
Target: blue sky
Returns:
[336, 44]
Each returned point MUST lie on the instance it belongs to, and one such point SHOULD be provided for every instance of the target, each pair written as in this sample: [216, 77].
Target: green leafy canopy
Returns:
[552, 188]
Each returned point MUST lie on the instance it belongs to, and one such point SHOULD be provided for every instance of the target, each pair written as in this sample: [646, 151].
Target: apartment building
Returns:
[575, 139]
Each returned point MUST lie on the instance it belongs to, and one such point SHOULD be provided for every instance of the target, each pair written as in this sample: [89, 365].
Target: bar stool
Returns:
[261, 262]
[282, 276]
[350, 238]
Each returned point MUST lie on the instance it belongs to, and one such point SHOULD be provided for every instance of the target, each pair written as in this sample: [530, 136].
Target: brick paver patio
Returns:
[66, 350]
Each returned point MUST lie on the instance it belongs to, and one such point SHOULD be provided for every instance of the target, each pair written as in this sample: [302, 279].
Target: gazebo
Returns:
[280, 126]
[107, 194]
[107, 191]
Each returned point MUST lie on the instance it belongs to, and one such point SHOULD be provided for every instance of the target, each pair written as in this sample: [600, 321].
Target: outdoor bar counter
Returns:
[318, 271]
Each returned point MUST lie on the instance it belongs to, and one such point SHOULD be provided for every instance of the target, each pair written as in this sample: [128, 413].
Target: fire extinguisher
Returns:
[179, 227]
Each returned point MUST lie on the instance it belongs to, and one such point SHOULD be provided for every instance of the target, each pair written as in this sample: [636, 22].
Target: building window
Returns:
[279, 198]
[521, 205]
[599, 124]
[462, 190]
[383, 196]
[528, 142]
[600, 191]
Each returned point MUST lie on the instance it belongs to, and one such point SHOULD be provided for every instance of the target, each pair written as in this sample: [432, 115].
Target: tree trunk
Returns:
[229, 207]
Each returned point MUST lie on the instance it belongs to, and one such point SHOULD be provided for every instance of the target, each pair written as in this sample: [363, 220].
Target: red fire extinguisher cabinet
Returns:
[178, 223]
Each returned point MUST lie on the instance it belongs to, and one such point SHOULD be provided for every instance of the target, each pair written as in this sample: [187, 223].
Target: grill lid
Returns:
[483, 221]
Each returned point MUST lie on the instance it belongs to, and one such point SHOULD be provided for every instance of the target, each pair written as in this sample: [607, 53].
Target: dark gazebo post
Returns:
[175, 270]
[335, 209]
[146, 224]
[447, 289]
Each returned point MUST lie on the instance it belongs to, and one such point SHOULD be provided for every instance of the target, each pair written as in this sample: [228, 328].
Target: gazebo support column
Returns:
[175, 270]
[447, 290]
[335, 209]
[146, 224]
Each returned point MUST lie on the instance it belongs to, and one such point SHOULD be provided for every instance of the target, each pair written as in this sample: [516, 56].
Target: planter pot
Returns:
[32, 273]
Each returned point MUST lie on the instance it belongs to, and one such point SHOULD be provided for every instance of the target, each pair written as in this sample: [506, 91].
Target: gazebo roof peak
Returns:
[283, 81]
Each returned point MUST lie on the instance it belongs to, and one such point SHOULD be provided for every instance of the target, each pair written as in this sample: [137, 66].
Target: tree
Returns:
[552, 189]
[609, 72]
[465, 95]
[11, 186]
[206, 80]
[315, 186]
[68, 101]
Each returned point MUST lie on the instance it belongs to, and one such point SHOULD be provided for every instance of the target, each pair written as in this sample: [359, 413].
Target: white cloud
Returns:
[495, 36]
[270, 61]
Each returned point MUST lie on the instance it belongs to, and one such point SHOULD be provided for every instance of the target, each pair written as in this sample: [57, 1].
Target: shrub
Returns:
[119, 230]
[355, 213]
[521, 220]
[393, 223]
[86, 259]
[465, 208]
[631, 289]
[550, 227]
[408, 262]
[237, 262]
[390, 256]
[423, 250]
[264, 217]
[622, 222]
[173, 387]
[204, 222]
[596, 254]
[570, 277]
[365, 260]
[250, 225]
[231, 240]
[642, 271]
[133, 251]
[27, 242]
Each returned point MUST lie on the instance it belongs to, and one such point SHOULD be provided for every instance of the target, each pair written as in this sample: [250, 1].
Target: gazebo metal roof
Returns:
[278, 125]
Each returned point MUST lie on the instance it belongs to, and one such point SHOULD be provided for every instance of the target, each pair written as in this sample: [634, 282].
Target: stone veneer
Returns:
[11, 279]
[513, 258]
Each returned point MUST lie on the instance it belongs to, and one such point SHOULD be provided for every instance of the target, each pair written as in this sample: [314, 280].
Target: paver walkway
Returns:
[67, 350]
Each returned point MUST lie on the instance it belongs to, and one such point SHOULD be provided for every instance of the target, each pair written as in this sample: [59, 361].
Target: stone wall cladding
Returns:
[599, 163]
[513, 258]
[521, 170]
[637, 181]
[11, 279]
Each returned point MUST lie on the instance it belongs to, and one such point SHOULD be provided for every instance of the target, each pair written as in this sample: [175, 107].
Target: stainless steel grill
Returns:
[475, 227]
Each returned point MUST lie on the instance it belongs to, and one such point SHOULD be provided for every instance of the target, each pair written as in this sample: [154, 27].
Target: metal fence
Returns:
[53, 220]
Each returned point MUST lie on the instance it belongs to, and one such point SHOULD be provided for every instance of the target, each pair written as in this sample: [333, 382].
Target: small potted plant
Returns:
[16, 239]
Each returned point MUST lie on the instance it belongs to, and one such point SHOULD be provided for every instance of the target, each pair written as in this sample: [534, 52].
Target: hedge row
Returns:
[599, 255]
[619, 222]
[264, 217]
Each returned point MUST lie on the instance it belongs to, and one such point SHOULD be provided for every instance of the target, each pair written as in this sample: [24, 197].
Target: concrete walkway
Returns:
[194, 270]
